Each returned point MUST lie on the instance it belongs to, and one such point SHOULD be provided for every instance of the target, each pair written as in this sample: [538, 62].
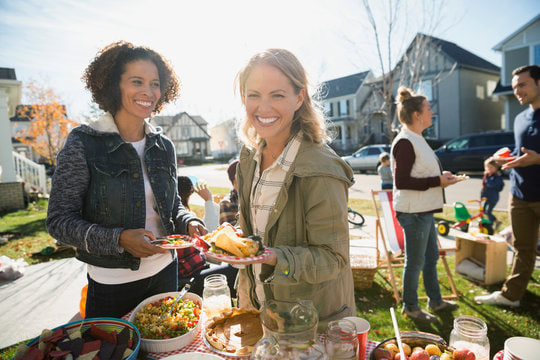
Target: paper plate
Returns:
[192, 356]
[235, 259]
[174, 242]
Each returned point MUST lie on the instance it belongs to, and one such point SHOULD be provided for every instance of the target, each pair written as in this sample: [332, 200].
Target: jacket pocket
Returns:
[110, 191]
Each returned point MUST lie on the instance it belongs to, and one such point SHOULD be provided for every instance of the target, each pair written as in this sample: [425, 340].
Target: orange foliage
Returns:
[49, 125]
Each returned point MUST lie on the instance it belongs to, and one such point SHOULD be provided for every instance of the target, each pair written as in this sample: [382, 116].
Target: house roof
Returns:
[458, 54]
[343, 86]
[199, 119]
[7, 73]
[500, 45]
[502, 89]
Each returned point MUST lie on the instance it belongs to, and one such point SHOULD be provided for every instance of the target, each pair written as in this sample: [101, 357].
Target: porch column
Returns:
[6, 148]
[343, 135]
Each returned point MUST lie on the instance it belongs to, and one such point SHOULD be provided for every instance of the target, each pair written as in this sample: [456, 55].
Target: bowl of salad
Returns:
[161, 331]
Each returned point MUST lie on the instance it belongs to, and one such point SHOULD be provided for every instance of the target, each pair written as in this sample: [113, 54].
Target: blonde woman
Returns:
[293, 192]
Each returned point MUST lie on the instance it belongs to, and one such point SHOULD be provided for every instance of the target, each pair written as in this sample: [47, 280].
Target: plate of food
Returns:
[234, 333]
[227, 244]
[173, 241]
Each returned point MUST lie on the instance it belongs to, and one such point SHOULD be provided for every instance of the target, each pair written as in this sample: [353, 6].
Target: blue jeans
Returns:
[119, 299]
[421, 253]
[488, 211]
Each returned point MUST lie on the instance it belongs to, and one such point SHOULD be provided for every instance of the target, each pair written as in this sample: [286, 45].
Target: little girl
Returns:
[492, 184]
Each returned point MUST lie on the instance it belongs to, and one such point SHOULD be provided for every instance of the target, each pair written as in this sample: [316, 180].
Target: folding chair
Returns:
[394, 243]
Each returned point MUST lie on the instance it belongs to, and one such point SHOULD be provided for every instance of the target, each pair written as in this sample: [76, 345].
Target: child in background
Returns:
[387, 181]
[228, 207]
[492, 184]
[186, 187]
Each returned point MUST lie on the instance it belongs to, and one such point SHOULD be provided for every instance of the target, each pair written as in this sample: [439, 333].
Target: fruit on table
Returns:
[464, 354]
[417, 348]
[406, 349]
[393, 348]
[433, 349]
[446, 356]
[398, 357]
[381, 353]
[420, 354]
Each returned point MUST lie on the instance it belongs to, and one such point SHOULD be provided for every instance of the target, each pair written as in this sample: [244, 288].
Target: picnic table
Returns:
[198, 345]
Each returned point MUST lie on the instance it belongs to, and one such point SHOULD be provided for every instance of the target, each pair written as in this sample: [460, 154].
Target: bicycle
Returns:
[355, 218]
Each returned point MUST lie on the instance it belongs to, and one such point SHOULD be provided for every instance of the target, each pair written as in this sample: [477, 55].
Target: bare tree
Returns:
[391, 23]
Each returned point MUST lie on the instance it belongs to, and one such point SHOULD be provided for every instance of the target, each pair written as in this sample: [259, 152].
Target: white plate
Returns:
[192, 356]
[168, 246]
[224, 353]
[235, 259]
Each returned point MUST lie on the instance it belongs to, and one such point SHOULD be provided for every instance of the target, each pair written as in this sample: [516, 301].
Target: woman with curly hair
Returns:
[292, 191]
[115, 189]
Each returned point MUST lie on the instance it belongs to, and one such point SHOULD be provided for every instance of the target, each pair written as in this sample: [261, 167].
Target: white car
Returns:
[367, 157]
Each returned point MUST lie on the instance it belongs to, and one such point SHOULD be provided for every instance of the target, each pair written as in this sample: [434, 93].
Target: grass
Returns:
[26, 234]
[374, 303]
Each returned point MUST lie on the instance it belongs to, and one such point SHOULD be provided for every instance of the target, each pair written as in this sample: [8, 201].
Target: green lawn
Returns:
[26, 232]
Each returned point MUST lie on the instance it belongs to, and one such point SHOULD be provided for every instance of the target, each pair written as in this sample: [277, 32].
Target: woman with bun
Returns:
[418, 193]
[293, 192]
[114, 188]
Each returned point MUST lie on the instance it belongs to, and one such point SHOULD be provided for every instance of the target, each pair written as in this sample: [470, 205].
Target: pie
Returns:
[235, 332]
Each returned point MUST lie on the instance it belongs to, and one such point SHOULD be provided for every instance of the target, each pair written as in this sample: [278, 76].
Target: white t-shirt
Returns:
[149, 265]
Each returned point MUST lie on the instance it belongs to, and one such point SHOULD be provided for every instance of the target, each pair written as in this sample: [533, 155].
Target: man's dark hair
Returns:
[534, 71]
[231, 171]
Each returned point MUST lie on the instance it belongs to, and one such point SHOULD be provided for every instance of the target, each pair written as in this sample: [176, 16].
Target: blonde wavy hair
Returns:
[308, 118]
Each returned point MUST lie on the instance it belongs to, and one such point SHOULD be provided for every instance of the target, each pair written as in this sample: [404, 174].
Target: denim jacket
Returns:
[98, 191]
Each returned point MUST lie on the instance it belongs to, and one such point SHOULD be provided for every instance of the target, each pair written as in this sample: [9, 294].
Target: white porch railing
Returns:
[33, 174]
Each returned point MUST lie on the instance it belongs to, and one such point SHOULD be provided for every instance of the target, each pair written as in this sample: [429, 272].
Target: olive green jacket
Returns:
[309, 231]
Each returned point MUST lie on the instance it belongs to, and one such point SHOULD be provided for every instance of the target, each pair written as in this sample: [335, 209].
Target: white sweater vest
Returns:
[425, 165]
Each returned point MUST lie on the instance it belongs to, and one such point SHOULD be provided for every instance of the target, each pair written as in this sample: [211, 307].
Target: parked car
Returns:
[367, 157]
[468, 152]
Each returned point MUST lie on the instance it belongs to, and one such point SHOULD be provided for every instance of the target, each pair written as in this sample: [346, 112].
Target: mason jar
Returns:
[470, 333]
[216, 295]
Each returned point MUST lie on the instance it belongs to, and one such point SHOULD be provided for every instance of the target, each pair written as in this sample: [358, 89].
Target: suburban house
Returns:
[522, 47]
[189, 134]
[342, 99]
[17, 173]
[457, 83]
[224, 141]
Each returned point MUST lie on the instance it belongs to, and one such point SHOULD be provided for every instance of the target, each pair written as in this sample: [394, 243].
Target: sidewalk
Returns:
[48, 294]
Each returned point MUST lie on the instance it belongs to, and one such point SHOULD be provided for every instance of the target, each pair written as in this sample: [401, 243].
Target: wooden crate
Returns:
[491, 253]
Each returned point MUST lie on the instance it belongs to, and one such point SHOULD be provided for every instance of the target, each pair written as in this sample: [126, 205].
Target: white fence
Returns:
[32, 174]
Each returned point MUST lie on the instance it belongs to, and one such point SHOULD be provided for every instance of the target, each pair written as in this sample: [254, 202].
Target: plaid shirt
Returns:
[266, 186]
[228, 208]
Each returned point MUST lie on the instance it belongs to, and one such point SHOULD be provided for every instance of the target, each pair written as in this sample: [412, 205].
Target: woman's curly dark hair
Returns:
[102, 76]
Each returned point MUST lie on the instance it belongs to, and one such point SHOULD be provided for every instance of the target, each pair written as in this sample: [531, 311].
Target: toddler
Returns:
[387, 182]
[492, 184]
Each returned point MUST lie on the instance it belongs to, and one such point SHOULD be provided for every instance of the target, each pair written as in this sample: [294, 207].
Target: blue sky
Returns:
[207, 41]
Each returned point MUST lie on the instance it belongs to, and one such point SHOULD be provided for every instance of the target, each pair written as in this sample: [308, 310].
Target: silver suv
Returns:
[367, 157]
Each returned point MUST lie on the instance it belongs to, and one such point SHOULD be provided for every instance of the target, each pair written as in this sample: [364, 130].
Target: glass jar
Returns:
[216, 295]
[341, 341]
[470, 333]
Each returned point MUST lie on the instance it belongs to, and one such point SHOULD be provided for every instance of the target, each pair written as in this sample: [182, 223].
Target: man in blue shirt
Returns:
[524, 188]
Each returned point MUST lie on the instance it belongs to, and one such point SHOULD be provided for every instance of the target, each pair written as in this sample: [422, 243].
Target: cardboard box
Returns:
[490, 252]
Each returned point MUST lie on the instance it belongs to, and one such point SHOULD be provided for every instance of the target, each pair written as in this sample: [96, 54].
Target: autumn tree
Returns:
[48, 122]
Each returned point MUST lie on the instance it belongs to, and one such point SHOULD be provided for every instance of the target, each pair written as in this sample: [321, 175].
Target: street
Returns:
[216, 175]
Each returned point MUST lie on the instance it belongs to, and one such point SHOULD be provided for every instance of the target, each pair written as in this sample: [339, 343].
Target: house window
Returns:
[425, 88]
[480, 92]
[329, 109]
[432, 132]
[536, 54]
[344, 107]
